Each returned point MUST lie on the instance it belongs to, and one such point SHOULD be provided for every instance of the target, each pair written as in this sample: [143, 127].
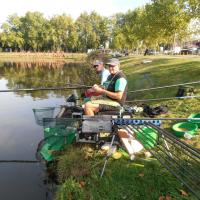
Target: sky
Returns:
[71, 7]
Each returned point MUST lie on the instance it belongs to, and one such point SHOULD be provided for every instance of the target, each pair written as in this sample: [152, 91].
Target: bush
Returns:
[70, 190]
[75, 163]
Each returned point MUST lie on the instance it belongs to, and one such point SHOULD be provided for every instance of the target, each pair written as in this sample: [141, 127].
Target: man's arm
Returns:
[119, 89]
[120, 86]
[114, 95]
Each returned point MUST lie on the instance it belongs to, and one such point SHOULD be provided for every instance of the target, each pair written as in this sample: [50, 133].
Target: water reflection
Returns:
[45, 74]
[19, 134]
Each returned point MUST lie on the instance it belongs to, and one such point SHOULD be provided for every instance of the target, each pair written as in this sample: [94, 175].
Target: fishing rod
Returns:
[19, 161]
[66, 83]
[42, 89]
[63, 82]
[166, 86]
[126, 120]
[81, 85]
[134, 91]
[167, 98]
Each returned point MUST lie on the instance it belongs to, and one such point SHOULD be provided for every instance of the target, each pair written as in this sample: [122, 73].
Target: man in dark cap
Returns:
[102, 72]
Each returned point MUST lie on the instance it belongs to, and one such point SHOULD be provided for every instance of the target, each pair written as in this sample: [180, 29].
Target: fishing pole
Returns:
[66, 83]
[166, 86]
[134, 91]
[63, 82]
[167, 98]
[156, 119]
[42, 89]
[19, 161]
[81, 85]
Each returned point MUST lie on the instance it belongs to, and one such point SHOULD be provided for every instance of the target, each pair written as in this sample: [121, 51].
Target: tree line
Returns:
[161, 22]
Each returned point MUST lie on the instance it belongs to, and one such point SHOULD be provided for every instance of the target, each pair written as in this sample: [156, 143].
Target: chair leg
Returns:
[107, 156]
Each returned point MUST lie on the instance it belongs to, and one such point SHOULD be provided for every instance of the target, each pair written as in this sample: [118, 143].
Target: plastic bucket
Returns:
[184, 127]
[193, 116]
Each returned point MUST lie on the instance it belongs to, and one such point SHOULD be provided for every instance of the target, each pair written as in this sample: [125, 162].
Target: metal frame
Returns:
[179, 158]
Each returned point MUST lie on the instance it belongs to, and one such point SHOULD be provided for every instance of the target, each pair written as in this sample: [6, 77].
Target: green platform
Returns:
[55, 140]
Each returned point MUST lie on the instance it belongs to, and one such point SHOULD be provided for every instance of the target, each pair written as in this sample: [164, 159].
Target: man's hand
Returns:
[90, 90]
[97, 88]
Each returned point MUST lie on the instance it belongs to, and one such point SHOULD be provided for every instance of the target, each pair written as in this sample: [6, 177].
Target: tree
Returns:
[63, 34]
[93, 31]
[11, 37]
[32, 28]
[192, 7]
[167, 21]
[117, 37]
[134, 28]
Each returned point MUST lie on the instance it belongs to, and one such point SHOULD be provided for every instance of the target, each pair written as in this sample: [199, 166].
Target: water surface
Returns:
[19, 134]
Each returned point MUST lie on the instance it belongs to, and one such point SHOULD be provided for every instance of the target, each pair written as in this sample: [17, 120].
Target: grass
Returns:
[161, 71]
[141, 179]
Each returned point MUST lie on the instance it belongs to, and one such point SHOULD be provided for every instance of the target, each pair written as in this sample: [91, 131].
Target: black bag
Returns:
[152, 112]
[71, 98]
[180, 92]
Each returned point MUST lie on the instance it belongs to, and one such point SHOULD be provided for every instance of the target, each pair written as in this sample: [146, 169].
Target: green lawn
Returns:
[142, 179]
[161, 71]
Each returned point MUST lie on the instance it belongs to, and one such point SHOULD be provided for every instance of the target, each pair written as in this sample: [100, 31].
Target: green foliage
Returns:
[158, 22]
[62, 34]
[31, 29]
[123, 179]
[161, 22]
[74, 163]
[33, 32]
[97, 55]
[92, 31]
[192, 7]
[168, 20]
[70, 190]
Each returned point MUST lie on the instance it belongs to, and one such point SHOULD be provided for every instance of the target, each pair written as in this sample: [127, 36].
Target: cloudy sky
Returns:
[71, 7]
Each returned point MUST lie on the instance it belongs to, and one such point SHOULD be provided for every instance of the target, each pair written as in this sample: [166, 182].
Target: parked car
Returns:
[198, 51]
[186, 51]
[151, 52]
[117, 54]
[168, 52]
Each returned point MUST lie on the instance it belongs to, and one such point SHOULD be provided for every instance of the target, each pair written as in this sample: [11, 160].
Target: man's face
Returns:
[113, 69]
[98, 68]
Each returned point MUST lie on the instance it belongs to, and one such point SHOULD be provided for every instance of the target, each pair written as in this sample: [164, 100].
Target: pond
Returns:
[19, 134]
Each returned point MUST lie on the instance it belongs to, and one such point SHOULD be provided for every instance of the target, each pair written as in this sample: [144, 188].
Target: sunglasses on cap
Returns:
[112, 65]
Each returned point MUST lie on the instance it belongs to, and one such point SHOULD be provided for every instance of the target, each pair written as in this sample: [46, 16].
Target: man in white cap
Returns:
[113, 95]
